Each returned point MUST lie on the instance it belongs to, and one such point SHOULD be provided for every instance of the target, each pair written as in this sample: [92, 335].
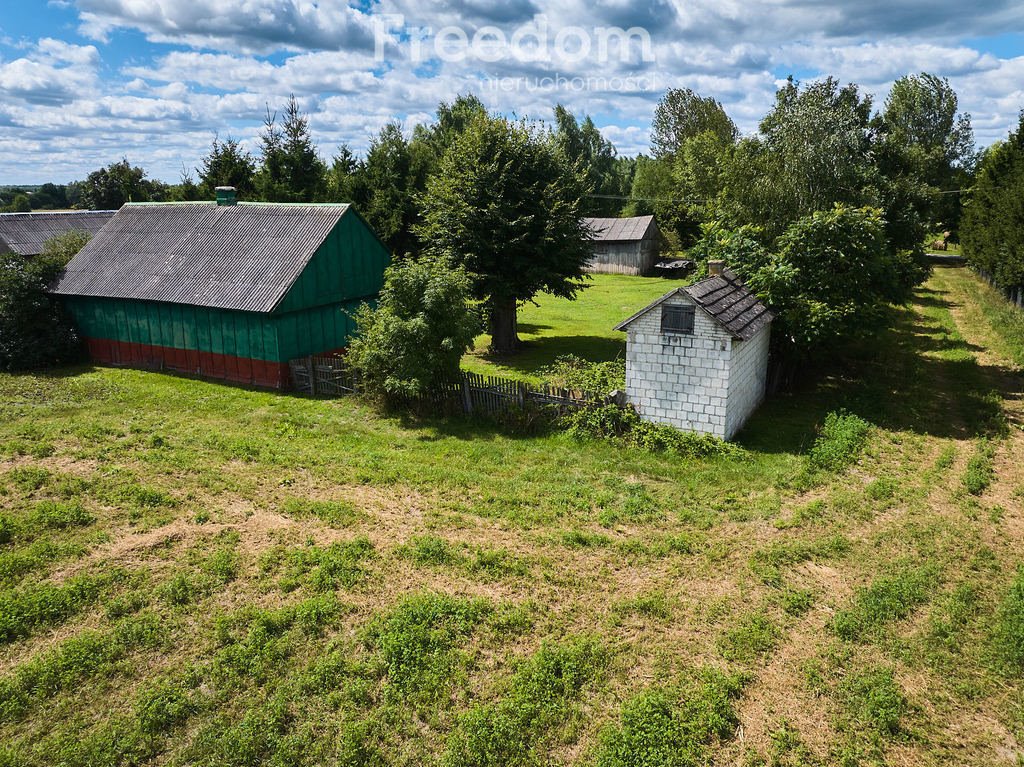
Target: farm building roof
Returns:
[621, 229]
[243, 256]
[26, 233]
[729, 302]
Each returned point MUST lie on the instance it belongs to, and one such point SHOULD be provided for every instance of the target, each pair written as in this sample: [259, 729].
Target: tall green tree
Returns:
[290, 169]
[390, 190]
[682, 114]
[112, 186]
[993, 223]
[583, 145]
[507, 206]
[922, 118]
[227, 164]
[813, 150]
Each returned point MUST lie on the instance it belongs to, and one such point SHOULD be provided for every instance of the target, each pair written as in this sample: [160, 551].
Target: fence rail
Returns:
[471, 392]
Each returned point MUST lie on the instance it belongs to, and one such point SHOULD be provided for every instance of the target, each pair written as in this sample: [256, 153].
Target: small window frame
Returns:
[678, 319]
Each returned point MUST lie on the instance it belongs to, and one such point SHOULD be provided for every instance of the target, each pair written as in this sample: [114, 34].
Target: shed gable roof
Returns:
[242, 257]
[27, 233]
[725, 299]
[622, 229]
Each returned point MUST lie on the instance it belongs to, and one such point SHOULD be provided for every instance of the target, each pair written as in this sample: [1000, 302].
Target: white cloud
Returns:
[213, 66]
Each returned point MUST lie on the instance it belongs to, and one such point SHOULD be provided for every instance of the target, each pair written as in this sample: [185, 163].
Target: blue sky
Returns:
[86, 82]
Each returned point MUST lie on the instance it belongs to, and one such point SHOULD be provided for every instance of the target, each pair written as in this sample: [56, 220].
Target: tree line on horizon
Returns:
[823, 211]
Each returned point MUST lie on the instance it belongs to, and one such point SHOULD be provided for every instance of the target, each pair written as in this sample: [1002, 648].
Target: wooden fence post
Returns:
[312, 375]
[467, 397]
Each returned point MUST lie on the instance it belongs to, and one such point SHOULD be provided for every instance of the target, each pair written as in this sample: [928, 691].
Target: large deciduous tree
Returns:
[922, 121]
[112, 186]
[583, 144]
[813, 151]
[682, 114]
[507, 206]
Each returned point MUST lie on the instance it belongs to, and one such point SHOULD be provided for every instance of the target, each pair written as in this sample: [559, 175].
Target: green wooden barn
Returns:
[223, 290]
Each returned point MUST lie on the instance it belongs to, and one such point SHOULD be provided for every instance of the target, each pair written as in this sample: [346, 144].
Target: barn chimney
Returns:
[715, 268]
[226, 195]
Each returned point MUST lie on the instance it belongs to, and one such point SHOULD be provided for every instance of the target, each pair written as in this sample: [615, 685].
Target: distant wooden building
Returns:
[624, 245]
[27, 233]
[223, 290]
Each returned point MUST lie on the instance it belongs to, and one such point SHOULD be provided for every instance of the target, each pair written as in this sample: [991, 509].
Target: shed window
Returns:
[677, 319]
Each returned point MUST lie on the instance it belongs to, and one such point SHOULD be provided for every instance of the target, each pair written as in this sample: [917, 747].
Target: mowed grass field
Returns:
[554, 327]
[197, 574]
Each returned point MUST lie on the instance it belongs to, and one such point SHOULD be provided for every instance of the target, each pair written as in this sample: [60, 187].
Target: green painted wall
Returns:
[314, 316]
[240, 334]
[349, 266]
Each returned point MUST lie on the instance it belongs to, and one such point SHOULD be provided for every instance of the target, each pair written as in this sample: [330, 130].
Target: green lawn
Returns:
[555, 327]
[198, 574]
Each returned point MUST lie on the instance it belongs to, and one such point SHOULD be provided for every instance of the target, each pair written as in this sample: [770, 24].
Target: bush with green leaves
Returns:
[35, 331]
[840, 441]
[571, 372]
[416, 335]
[624, 426]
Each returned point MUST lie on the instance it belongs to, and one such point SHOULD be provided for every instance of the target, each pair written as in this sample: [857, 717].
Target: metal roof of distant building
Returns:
[243, 256]
[620, 229]
[27, 233]
[729, 302]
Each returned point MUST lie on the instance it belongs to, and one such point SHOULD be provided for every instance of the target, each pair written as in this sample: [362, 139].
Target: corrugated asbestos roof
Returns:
[729, 302]
[620, 229]
[243, 256]
[26, 233]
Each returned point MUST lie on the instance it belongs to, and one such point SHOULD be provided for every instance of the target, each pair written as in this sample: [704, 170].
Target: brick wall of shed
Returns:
[680, 379]
[748, 375]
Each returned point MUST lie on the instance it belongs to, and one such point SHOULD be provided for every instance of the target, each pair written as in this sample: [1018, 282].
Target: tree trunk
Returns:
[504, 326]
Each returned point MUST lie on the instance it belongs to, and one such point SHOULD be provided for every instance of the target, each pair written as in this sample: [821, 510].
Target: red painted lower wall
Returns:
[207, 364]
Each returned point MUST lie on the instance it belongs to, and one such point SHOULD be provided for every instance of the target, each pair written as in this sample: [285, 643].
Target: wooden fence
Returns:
[1014, 295]
[471, 393]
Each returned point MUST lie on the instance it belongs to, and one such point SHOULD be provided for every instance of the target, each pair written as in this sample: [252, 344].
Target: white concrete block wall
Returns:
[705, 381]
[747, 379]
[680, 379]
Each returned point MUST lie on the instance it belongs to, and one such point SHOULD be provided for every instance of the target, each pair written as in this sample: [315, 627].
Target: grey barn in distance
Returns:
[26, 233]
[624, 245]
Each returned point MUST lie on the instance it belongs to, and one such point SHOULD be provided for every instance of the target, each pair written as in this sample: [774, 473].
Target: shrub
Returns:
[624, 426]
[34, 329]
[840, 441]
[416, 336]
[571, 372]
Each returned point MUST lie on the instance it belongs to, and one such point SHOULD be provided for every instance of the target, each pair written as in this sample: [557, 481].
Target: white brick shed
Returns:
[697, 358]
